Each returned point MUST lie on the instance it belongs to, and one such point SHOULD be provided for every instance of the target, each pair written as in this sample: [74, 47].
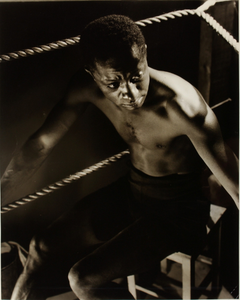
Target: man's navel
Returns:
[160, 146]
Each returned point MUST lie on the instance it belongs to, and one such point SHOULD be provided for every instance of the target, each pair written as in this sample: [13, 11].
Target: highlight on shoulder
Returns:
[186, 98]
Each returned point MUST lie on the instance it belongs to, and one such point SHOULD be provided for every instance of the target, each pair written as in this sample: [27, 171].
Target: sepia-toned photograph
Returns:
[119, 149]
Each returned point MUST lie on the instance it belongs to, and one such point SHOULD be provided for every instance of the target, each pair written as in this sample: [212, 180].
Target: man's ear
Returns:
[89, 72]
[146, 50]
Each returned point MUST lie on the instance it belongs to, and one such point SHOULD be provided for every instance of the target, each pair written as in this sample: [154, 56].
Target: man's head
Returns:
[114, 53]
[111, 38]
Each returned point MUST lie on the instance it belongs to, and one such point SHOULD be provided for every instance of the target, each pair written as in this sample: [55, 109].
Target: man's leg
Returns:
[134, 250]
[52, 252]
[85, 227]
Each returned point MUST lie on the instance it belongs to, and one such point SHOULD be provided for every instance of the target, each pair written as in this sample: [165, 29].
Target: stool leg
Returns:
[164, 266]
[216, 282]
[132, 285]
[188, 277]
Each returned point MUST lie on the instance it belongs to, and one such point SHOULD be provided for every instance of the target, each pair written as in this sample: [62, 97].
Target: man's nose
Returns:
[129, 91]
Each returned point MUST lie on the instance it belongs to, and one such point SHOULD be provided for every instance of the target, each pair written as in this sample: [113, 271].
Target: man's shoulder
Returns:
[171, 81]
[188, 108]
[182, 92]
[185, 101]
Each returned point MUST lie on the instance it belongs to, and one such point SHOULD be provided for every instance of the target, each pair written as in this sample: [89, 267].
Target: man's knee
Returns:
[82, 281]
[40, 246]
[79, 283]
[40, 252]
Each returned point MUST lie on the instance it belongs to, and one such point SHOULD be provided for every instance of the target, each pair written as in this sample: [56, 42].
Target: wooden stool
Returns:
[188, 262]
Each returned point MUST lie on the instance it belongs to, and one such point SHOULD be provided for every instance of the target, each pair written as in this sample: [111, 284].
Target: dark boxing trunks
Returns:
[176, 200]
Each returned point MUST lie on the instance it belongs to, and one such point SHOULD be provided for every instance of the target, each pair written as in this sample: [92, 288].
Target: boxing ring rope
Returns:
[76, 176]
[64, 43]
[200, 11]
[209, 19]
[59, 184]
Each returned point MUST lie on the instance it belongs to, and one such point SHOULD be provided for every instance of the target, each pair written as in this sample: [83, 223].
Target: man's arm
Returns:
[217, 155]
[37, 148]
[202, 128]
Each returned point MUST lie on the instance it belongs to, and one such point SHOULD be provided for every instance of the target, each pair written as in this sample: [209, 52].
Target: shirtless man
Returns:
[158, 208]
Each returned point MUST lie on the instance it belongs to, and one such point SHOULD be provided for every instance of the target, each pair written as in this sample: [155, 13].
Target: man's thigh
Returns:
[135, 249]
[90, 222]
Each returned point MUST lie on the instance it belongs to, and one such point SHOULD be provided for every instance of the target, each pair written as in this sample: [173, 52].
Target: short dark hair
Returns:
[109, 37]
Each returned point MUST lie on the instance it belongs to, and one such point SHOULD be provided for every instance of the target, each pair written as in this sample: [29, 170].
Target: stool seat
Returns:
[188, 261]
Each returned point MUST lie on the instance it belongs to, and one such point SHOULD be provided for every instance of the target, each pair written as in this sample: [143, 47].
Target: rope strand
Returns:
[164, 17]
[59, 184]
[40, 49]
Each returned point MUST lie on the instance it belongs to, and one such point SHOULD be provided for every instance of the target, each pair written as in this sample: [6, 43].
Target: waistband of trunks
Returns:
[164, 187]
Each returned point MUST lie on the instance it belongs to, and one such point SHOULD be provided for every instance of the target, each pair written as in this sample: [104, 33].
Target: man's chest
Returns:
[147, 129]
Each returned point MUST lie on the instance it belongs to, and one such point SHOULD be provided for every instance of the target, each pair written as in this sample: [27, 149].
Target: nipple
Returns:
[161, 146]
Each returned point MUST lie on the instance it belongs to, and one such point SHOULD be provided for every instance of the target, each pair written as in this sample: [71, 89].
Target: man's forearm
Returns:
[227, 174]
[22, 166]
[233, 188]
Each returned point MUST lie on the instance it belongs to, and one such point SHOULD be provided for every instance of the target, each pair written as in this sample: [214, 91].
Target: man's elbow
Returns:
[38, 146]
[223, 195]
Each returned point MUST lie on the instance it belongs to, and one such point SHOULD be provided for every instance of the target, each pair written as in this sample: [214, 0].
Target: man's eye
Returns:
[136, 78]
[113, 85]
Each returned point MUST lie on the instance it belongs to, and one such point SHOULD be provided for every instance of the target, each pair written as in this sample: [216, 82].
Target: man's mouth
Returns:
[136, 104]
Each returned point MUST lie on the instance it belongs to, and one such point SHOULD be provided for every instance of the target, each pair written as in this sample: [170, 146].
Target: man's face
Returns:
[124, 82]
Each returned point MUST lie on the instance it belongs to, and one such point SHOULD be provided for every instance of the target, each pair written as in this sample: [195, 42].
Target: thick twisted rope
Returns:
[40, 49]
[59, 184]
[209, 19]
[164, 17]
[220, 30]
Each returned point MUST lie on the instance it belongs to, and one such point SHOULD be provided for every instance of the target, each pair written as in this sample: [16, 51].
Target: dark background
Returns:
[31, 86]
